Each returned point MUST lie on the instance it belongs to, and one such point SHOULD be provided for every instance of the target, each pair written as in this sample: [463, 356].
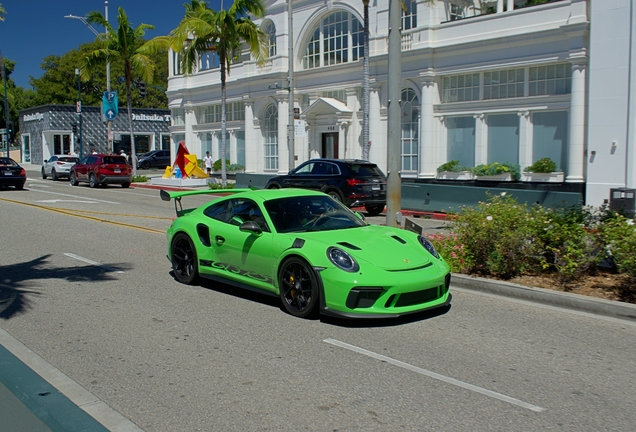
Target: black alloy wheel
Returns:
[335, 194]
[274, 185]
[145, 165]
[298, 287]
[184, 259]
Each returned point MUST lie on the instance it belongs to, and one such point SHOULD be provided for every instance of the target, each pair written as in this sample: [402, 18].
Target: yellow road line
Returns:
[117, 214]
[96, 219]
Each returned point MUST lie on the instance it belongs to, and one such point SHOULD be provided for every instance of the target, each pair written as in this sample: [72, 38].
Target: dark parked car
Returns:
[102, 169]
[352, 181]
[11, 174]
[155, 158]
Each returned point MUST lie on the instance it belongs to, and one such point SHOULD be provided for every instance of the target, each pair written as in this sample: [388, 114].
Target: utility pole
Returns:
[365, 85]
[291, 130]
[394, 135]
[110, 122]
[6, 100]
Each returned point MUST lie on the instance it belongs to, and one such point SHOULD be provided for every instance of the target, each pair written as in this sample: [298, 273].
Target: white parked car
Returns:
[58, 166]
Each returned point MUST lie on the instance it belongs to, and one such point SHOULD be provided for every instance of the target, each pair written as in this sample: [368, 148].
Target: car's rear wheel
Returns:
[298, 287]
[125, 185]
[19, 186]
[335, 194]
[374, 210]
[92, 181]
[73, 179]
[43, 174]
[54, 176]
[184, 259]
[145, 165]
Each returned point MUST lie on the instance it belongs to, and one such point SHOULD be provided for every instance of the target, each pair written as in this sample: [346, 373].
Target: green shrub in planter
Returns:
[497, 168]
[543, 165]
[217, 164]
[452, 166]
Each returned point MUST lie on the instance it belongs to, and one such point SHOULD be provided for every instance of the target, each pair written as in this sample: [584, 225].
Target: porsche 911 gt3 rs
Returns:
[308, 249]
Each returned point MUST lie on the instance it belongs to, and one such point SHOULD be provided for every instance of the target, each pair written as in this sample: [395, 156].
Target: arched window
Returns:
[270, 137]
[410, 130]
[270, 30]
[338, 38]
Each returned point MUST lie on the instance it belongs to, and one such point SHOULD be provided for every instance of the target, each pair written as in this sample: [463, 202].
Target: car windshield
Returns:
[114, 160]
[68, 159]
[310, 213]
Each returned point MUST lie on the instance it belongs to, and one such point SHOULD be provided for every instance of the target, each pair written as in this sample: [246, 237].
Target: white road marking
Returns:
[434, 375]
[54, 201]
[95, 263]
[80, 197]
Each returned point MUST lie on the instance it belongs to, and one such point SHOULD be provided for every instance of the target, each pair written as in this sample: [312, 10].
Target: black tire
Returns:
[298, 287]
[374, 210]
[73, 179]
[92, 181]
[43, 174]
[125, 185]
[184, 259]
[273, 185]
[335, 194]
[20, 186]
[145, 165]
[54, 176]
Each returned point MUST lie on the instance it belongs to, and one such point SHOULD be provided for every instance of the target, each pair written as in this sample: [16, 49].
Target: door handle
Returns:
[219, 239]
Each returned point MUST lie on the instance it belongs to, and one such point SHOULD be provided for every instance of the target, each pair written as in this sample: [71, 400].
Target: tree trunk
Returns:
[133, 154]
[223, 123]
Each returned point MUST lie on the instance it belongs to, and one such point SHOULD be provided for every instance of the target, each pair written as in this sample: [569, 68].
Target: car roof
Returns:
[342, 161]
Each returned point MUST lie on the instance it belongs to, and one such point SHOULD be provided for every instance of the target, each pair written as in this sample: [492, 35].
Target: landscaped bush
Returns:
[619, 237]
[544, 165]
[452, 166]
[220, 186]
[497, 168]
[139, 179]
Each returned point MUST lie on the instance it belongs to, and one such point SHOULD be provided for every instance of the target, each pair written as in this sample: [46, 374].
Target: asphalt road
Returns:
[91, 294]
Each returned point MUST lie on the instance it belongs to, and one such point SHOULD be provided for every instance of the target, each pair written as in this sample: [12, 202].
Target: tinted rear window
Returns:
[114, 160]
[69, 159]
[8, 162]
[366, 170]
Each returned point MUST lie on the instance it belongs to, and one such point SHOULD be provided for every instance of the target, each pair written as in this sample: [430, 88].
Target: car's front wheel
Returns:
[145, 165]
[73, 179]
[43, 174]
[92, 181]
[298, 287]
[184, 259]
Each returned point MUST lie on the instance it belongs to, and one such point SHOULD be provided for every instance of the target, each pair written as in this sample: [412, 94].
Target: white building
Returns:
[482, 82]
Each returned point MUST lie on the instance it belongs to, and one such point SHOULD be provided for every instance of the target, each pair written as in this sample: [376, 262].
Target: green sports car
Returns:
[308, 249]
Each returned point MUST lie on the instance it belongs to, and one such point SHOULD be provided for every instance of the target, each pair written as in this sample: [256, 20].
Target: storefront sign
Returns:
[154, 117]
[33, 117]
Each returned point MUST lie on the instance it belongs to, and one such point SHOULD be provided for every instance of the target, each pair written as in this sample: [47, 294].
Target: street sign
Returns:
[110, 105]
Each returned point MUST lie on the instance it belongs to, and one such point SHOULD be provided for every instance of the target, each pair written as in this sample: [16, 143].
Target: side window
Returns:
[53, 159]
[244, 210]
[218, 211]
[305, 169]
[332, 169]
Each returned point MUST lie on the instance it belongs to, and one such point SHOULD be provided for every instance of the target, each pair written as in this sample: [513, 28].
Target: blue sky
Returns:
[34, 29]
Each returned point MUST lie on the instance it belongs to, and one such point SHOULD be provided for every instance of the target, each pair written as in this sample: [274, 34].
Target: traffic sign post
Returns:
[110, 105]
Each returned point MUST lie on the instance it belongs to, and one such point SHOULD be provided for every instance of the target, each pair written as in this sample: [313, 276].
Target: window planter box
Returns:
[553, 177]
[452, 175]
[497, 177]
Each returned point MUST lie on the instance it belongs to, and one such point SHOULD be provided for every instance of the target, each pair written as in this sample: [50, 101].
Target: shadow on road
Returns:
[17, 281]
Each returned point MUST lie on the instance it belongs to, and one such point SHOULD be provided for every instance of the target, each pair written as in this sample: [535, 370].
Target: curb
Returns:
[603, 307]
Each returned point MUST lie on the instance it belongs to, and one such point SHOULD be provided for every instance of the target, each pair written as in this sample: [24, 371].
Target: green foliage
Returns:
[619, 236]
[543, 165]
[216, 166]
[497, 168]
[139, 179]
[215, 186]
[454, 252]
[452, 166]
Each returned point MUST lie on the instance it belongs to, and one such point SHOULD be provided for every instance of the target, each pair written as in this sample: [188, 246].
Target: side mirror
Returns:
[251, 226]
[46, 161]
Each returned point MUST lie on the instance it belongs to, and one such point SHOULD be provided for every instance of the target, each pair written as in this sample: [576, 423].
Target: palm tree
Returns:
[204, 30]
[2, 12]
[127, 45]
[365, 85]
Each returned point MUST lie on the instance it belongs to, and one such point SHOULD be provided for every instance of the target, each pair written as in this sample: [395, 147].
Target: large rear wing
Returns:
[177, 195]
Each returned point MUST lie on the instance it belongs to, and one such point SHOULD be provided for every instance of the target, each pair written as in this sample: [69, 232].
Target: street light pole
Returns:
[291, 130]
[79, 111]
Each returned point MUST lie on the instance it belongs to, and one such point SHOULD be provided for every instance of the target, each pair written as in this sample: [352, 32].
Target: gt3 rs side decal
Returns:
[231, 268]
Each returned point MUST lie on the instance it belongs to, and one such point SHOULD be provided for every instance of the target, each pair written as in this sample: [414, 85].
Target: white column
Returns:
[283, 121]
[481, 140]
[576, 145]
[190, 120]
[430, 151]
[525, 139]
[510, 5]
[500, 6]
[253, 152]
[377, 129]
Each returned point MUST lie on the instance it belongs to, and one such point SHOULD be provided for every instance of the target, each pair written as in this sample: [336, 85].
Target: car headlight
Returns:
[342, 260]
[428, 246]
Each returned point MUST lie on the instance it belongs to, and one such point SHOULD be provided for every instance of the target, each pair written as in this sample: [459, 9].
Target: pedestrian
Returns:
[122, 153]
[208, 162]
[74, 153]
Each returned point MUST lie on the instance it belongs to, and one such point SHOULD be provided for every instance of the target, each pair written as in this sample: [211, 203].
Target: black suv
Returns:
[352, 181]
[155, 158]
